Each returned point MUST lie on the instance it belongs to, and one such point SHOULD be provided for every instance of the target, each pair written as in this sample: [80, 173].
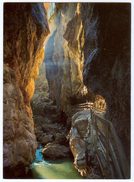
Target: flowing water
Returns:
[52, 169]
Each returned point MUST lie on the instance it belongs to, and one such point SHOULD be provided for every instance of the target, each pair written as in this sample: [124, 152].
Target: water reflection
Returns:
[53, 169]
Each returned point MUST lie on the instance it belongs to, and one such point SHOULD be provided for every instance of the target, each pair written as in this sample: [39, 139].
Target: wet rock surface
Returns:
[25, 30]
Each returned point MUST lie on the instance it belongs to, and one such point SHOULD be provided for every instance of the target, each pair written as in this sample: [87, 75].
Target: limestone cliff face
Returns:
[77, 143]
[107, 60]
[63, 55]
[25, 30]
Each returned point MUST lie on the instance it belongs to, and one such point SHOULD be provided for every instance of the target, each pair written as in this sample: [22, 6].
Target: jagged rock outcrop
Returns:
[25, 30]
[77, 143]
[64, 56]
[107, 60]
[81, 145]
[19, 145]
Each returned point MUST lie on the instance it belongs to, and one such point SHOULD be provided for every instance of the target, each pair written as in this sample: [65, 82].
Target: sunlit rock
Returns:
[51, 10]
[19, 145]
[64, 56]
[47, 5]
[25, 30]
[100, 104]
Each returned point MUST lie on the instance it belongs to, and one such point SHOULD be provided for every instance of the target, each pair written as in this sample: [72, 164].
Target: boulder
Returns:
[51, 128]
[44, 139]
[49, 132]
[55, 151]
[60, 138]
[38, 132]
[39, 120]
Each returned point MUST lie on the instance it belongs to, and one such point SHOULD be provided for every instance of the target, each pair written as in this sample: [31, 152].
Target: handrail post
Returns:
[91, 112]
[86, 151]
[96, 136]
[92, 118]
[114, 150]
[107, 147]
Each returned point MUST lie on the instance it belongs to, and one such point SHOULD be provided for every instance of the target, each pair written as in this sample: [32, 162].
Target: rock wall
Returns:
[64, 56]
[107, 60]
[99, 35]
[77, 144]
[85, 160]
[25, 30]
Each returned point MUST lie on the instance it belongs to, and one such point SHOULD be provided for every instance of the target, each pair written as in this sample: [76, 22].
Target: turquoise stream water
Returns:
[52, 169]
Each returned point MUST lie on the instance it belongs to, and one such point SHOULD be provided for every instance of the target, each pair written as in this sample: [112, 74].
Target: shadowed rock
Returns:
[55, 151]
[107, 60]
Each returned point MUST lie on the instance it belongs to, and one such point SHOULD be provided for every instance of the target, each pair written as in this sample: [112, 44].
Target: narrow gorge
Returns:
[63, 61]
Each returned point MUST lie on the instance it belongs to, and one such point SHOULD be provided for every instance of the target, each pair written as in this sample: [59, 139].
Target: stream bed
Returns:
[52, 169]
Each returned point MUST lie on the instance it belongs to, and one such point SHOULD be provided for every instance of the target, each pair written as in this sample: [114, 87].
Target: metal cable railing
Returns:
[106, 144]
[109, 150]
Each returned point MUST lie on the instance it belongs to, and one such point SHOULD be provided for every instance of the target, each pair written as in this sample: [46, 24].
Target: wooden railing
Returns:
[107, 145]
[83, 106]
[108, 148]
[100, 105]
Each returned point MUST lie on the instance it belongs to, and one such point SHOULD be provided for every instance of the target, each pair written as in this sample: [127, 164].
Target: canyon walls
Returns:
[93, 39]
[64, 56]
[89, 45]
[107, 60]
[25, 30]
[99, 35]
